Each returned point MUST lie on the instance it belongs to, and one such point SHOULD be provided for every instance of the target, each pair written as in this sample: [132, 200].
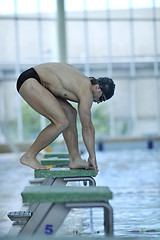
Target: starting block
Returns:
[55, 162]
[56, 155]
[57, 177]
[61, 176]
[54, 204]
[51, 162]
[63, 172]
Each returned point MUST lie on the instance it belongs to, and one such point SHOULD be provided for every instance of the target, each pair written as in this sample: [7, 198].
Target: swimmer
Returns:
[47, 88]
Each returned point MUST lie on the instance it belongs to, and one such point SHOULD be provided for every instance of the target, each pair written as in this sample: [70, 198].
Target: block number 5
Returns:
[48, 229]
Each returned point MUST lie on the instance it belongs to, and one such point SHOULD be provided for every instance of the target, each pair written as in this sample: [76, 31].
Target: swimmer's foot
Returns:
[32, 162]
[78, 164]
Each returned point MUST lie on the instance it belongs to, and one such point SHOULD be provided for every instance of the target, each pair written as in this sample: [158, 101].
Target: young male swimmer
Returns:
[46, 88]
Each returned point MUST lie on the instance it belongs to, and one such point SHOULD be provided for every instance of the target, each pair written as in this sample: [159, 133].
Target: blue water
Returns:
[133, 176]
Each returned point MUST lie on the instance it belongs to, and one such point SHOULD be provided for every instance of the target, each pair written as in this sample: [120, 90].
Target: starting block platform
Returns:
[61, 176]
[63, 172]
[54, 204]
[56, 155]
[55, 162]
[51, 163]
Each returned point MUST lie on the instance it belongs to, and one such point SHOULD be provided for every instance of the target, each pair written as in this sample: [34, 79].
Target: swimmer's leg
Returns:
[42, 101]
[45, 137]
[71, 136]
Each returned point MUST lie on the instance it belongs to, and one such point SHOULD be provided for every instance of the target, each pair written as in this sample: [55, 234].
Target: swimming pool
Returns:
[133, 176]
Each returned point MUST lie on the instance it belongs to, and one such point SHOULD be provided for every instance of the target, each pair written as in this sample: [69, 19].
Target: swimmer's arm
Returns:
[88, 131]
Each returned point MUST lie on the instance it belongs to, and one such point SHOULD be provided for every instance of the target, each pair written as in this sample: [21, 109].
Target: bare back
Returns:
[63, 80]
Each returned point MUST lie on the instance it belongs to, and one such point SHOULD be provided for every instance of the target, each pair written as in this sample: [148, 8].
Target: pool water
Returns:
[133, 176]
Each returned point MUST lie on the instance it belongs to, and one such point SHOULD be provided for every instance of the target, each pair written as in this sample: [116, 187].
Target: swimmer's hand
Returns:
[92, 164]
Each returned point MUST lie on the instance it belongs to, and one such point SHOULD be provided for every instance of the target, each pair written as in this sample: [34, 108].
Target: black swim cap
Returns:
[107, 86]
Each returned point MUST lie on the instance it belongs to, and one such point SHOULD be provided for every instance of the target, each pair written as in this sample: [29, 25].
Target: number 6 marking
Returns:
[48, 229]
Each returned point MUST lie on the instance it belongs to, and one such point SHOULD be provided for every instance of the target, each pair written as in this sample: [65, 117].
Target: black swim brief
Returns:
[30, 73]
